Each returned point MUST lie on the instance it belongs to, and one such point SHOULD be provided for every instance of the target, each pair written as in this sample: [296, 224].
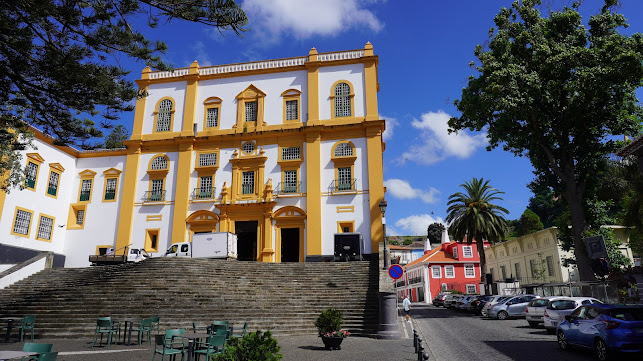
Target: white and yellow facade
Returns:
[286, 152]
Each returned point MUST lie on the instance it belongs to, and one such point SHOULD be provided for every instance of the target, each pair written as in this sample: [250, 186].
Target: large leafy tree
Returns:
[472, 215]
[434, 232]
[59, 63]
[553, 90]
[529, 223]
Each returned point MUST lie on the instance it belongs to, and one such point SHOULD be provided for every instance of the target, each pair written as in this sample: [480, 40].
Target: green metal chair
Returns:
[36, 347]
[172, 333]
[196, 328]
[156, 324]
[243, 331]
[218, 325]
[116, 325]
[104, 327]
[26, 325]
[47, 356]
[212, 346]
[224, 332]
[145, 327]
[168, 346]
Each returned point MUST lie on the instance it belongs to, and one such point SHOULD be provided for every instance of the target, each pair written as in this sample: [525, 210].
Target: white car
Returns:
[536, 309]
[559, 308]
[492, 301]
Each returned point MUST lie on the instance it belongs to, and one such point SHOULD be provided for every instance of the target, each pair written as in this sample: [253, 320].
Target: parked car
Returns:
[606, 329]
[490, 302]
[438, 300]
[512, 307]
[463, 304]
[451, 301]
[558, 309]
[536, 308]
[476, 305]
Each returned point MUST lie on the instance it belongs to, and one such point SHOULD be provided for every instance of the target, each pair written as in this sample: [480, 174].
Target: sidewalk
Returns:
[307, 348]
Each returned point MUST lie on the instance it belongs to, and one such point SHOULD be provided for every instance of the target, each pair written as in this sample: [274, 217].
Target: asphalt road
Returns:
[453, 336]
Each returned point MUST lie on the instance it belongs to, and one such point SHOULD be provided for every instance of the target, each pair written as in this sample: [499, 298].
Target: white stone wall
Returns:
[354, 73]
[174, 90]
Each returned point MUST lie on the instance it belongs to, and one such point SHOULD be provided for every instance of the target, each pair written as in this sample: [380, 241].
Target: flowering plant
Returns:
[336, 334]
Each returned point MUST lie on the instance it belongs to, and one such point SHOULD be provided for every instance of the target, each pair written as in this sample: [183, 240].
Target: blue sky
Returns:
[424, 50]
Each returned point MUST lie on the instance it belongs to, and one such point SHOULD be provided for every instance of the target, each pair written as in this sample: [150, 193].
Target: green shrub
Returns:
[329, 320]
[255, 346]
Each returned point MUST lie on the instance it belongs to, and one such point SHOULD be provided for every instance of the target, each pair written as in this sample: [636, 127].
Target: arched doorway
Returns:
[289, 228]
[202, 222]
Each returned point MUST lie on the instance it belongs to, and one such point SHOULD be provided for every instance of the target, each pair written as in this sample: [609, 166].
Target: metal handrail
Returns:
[343, 185]
[288, 188]
[204, 193]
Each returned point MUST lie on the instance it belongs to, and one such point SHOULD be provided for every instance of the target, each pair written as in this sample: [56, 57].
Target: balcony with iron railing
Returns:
[247, 189]
[84, 196]
[415, 280]
[287, 188]
[30, 183]
[204, 193]
[401, 283]
[110, 195]
[154, 196]
[343, 185]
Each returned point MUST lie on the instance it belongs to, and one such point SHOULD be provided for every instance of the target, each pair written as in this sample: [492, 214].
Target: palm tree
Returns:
[471, 215]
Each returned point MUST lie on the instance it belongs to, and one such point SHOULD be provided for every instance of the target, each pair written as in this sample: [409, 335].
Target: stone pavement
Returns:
[307, 348]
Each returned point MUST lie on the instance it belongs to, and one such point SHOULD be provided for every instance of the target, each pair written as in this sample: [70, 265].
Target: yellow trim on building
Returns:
[72, 219]
[291, 95]
[345, 209]
[313, 87]
[130, 179]
[167, 133]
[250, 94]
[351, 96]
[51, 231]
[111, 173]
[105, 246]
[182, 192]
[189, 107]
[371, 87]
[58, 169]
[13, 223]
[313, 196]
[211, 103]
[154, 217]
[86, 175]
[289, 217]
[345, 224]
[375, 181]
[37, 160]
[149, 244]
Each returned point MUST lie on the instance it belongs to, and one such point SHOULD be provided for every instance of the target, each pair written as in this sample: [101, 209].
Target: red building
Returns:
[451, 266]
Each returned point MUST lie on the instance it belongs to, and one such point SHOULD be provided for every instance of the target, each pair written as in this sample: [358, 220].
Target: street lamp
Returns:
[383, 210]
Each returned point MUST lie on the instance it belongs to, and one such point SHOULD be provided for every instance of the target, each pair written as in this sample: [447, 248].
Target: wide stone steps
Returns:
[285, 298]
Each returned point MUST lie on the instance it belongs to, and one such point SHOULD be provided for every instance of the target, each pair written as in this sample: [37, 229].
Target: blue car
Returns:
[606, 329]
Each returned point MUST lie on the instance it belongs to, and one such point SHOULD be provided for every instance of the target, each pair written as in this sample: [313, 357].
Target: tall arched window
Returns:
[343, 150]
[342, 100]
[159, 163]
[164, 116]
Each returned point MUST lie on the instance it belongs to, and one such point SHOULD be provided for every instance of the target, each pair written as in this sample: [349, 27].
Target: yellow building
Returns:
[285, 153]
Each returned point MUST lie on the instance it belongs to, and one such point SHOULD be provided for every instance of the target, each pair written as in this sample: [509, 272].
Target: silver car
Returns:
[515, 306]
[463, 304]
[536, 308]
[451, 301]
[490, 302]
[559, 308]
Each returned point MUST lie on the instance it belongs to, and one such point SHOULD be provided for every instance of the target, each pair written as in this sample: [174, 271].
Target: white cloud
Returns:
[391, 123]
[436, 144]
[415, 225]
[307, 18]
[200, 54]
[401, 189]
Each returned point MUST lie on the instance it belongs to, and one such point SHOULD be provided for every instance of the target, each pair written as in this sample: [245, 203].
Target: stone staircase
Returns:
[284, 298]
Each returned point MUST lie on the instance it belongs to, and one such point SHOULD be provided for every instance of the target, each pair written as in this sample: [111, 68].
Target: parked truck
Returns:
[123, 255]
[206, 245]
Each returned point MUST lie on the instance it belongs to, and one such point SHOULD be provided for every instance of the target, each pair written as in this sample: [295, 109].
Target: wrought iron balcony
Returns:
[288, 188]
[30, 183]
[84, 196]
[343, 185]
[154, 196]
[110, 195]
[52, 191]
[204, 193]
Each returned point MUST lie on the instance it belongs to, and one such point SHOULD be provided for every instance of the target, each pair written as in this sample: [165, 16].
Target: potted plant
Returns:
[329, 324]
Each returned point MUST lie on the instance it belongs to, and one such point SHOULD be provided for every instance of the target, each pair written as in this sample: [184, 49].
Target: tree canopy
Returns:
[434, 232]
[59, 62]
[555, 91]
[472, 216]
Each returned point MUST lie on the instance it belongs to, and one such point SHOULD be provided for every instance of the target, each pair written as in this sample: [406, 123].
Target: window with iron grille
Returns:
[52, 187]
[343, 150]
[80, 216]
[207, 159]
[251, 111]
[503, 272]
[31, 173]
[550, 265]
[292, 109]
[164, 116]
[159, 163]
[467, 251]
[22, 221]
[449, 271]
[44, 230]
[517, 267]
[110, 188]
[290, 181]
[290, 153]
[157, 186]
[469, 271]
[206, 184]
[85, 189]
[471, 289]
[532, 265]
[248, 147]
[435, 272]
[344, 178]
[212, 117]
[342, 100]
[248, 183]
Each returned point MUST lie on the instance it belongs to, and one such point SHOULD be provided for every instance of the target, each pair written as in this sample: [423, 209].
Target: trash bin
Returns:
[349, 247]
